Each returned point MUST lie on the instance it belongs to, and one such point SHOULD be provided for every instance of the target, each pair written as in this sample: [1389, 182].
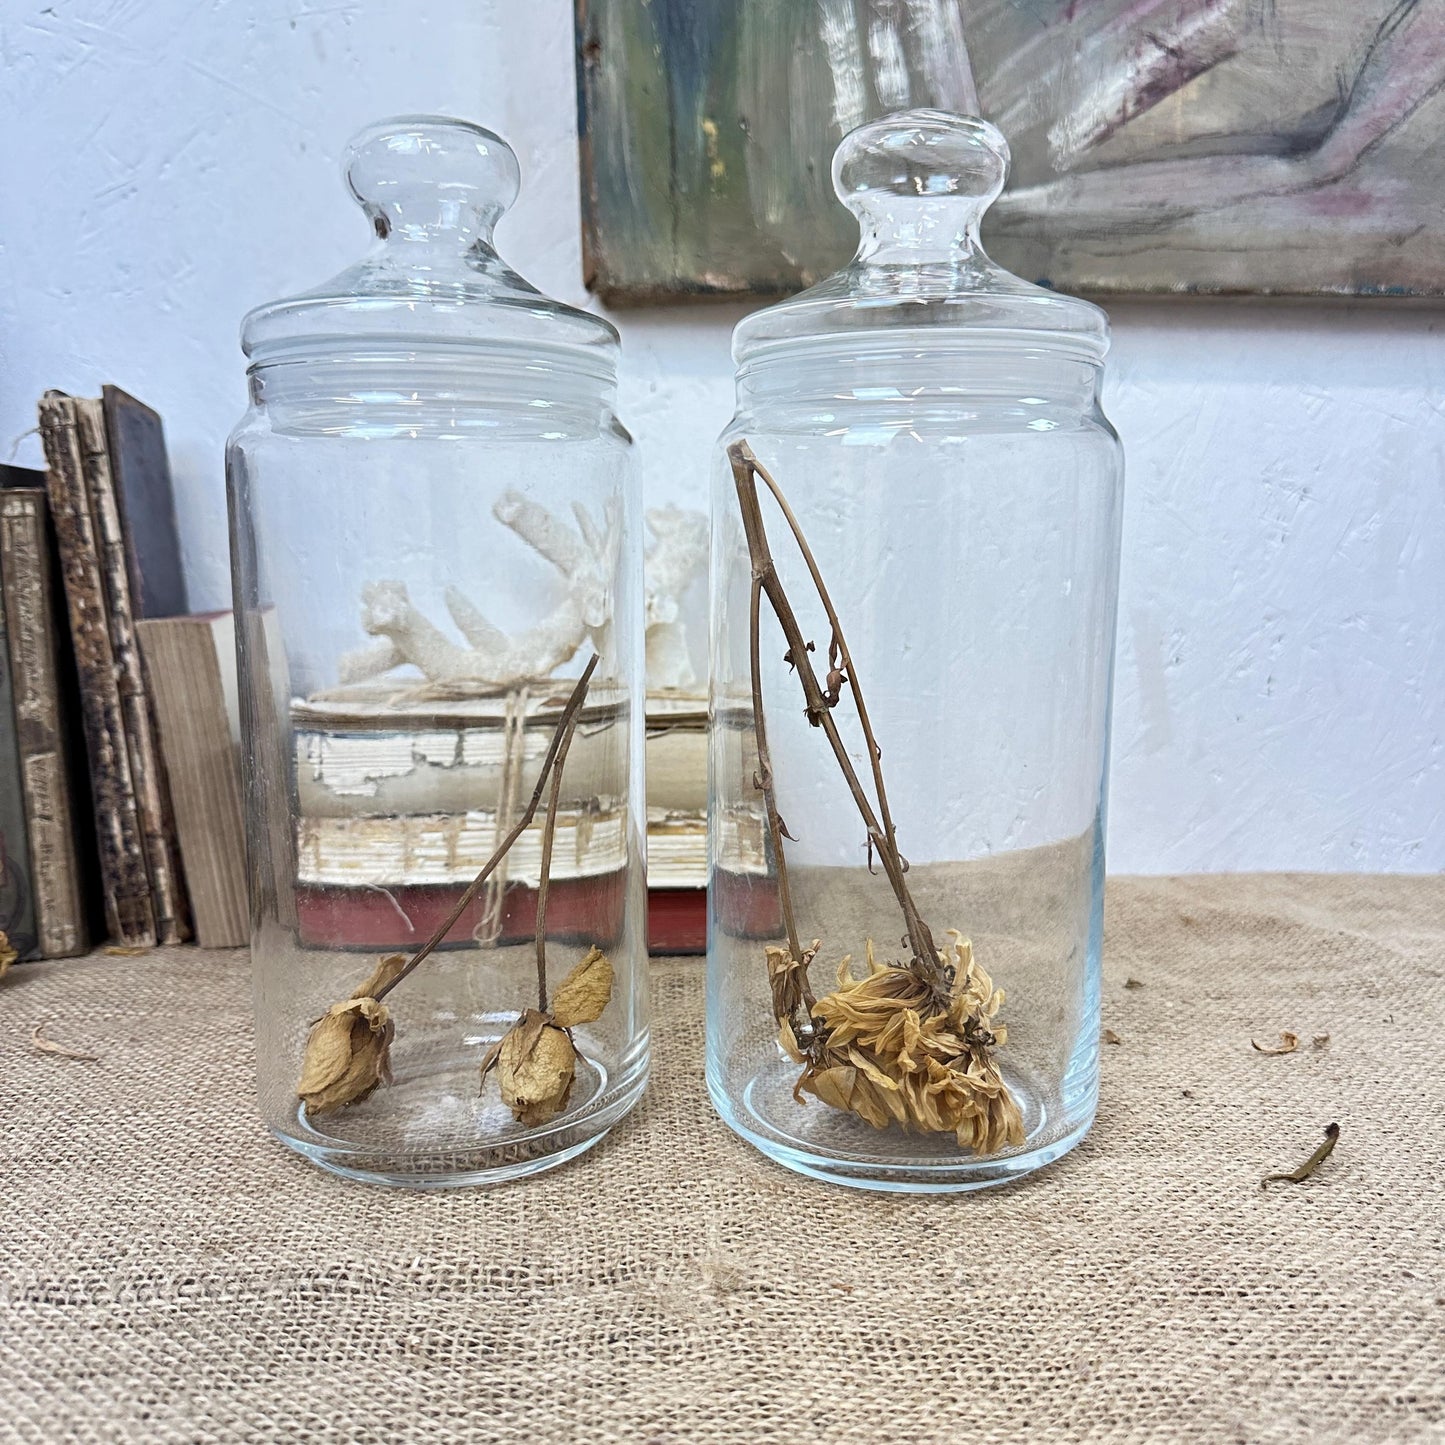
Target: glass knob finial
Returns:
[425, 176]
[920, 179]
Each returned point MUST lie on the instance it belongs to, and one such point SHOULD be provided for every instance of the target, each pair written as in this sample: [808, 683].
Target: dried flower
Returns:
[348, 1052]
[536, 1065]
[536, 1060]
[7, 954]
[891, 1051]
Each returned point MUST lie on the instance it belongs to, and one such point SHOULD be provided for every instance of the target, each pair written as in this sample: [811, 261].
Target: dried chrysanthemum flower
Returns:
[536, 1060]
[8, 955]
[891, 1052]
[348, 1052]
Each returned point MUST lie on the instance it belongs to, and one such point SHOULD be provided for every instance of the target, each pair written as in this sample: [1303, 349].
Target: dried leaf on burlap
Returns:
[536, 1065]
[118, 951]
[584, 994]
[348, 1055]
[1298, 1176]
[1288, 1043]
[1108, 1036]
[7, 954]
[891, 1051]
[42, 1045]
[1133, 983]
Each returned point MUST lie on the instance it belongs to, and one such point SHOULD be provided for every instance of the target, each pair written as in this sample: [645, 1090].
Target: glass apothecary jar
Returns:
[916, 517]
[435, 526]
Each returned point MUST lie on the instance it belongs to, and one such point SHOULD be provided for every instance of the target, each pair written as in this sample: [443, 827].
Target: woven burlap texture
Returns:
[169, 1273]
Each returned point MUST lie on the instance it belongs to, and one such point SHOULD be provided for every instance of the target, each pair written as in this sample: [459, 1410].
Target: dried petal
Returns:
[788, 977]
[348, 1054]
[537, 1065]
[7, 954]
[582, 996]
[384, 973]
[1288, 1043]
[1108, 1036]
[788, 1041]
[42, 1045]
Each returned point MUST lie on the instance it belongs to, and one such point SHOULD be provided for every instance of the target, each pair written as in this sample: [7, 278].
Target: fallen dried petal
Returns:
[1133, 983]
[1298, 1176]
[1288, 1043]
[7, 954]
[348, 1055]
[115, 951]
[1110, 1037]
[42, 1045]
[582, 996]
[537, 1065]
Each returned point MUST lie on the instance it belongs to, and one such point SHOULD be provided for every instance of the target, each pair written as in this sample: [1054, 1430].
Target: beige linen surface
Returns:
[169, 1273]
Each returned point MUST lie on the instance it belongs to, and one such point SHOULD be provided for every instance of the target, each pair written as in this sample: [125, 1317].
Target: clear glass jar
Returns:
[932, 424]
[435, 531]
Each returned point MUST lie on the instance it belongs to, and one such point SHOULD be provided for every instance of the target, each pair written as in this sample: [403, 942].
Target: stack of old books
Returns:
[120, 789]
[399, 807]
[676, 822]
[119, 795]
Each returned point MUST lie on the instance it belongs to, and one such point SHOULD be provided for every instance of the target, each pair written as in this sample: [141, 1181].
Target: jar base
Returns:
[947, 1174]
[481, 1166]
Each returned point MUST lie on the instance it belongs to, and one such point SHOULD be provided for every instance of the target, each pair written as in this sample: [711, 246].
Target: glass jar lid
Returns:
[434, 189]
[919, 182]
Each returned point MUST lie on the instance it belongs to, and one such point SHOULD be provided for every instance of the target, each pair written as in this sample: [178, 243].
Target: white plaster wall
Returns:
[1281, 673]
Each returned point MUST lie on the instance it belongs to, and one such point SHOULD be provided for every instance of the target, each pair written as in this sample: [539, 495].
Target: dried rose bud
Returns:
[582, 996]
[536, 1064]
[348, 1053]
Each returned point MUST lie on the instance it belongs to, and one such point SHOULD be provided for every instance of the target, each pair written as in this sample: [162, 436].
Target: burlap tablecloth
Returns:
[169, 1273]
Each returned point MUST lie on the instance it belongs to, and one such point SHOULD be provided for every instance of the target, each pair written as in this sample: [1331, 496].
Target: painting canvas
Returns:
[1216, 146]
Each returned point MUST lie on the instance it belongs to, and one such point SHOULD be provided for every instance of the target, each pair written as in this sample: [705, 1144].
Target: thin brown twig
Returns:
[875, 753]
[818, 709]
[569, 712]
[549, 833]
[765, 772]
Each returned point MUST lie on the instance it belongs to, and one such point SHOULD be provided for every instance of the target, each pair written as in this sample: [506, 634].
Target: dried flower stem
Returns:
[564, 731]
[819, 704]
[549, 833]
[765, 773]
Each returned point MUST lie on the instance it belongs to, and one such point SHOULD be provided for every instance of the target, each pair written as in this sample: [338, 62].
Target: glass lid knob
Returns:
[919, 183]
[431, 178]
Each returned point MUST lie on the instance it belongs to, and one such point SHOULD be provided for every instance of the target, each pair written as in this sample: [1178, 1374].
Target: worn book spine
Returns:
[202, 766]
[153, 804]
[125, 881]
[17, 898]
[32, 623]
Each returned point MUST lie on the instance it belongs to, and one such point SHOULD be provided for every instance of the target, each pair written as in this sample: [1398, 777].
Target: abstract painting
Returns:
[1159, 146]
